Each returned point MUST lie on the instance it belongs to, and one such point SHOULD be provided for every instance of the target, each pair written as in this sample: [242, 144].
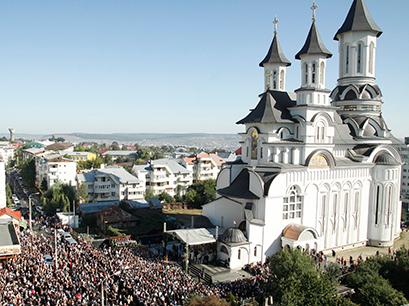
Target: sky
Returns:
[162, 66]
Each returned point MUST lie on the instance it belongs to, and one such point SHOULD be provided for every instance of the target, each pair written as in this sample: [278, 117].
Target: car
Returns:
[48, 260]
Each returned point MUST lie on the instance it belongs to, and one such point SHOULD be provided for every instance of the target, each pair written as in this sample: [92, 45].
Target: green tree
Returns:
[82, 193]
[295, 280]
[201, 193]
[9, 193]
[56, 199]
[28, 172]
[44, 185]
[166, 197]
[149, 194]
[371, 288]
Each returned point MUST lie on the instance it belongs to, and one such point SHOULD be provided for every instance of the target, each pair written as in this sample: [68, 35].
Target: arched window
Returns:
[334, 211]
[292, 207]
[378, 200]
[347, 59]
[254, 143]
[239, 254]
[282, 80]
[275, 79]
[371, 57]
[388, 213]
[320, 132]
[255, 251]
[346, 211]
[314, 72]
[356, 209]
[359, 59]
[322, 71]
[323, 212]
[306, 74]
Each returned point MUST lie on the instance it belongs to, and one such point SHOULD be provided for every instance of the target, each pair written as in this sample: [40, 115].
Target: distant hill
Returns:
[201, 140]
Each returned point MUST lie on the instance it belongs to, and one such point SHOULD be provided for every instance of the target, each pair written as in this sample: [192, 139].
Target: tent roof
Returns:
[196, 236]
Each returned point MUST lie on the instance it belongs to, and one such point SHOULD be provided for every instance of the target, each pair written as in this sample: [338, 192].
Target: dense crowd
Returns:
[83, 275]
[126, 276]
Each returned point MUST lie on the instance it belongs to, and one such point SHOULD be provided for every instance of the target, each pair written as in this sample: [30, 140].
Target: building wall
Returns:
[3, 201]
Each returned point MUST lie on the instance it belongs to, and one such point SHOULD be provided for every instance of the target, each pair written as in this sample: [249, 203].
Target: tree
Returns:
[44, 185]
[166, 197]
[82, 193]
[294, 280]
[201, 193]
[149, 194]
[28, 172]
[371, 288]
[9, 198]
[207, 301]
[58, 198]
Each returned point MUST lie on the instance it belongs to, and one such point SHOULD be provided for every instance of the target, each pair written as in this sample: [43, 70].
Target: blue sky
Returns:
[169, 66]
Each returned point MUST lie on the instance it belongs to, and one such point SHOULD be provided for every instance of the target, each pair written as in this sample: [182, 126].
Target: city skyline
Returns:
[154, 68]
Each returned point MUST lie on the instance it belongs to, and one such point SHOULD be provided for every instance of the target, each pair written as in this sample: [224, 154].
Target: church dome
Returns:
[233, 235]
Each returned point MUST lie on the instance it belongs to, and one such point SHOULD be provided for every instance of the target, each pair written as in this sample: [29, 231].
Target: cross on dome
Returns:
[276, 21]
[314, 9]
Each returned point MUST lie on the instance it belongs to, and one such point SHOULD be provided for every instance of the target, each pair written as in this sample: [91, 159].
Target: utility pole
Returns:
[102, 294]
[55, 249]
[187, 252]
[29, 214]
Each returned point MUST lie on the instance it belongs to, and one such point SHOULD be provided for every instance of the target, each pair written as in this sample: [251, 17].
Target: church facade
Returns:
[319, 168]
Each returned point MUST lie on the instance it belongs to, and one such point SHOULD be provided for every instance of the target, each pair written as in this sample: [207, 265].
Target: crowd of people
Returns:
[81, 274]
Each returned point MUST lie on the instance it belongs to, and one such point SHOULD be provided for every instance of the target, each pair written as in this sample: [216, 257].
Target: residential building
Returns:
[30, 153]
[111, 184]
[120, 154]
[82, 156]
[7, 150]
[319, 169]
[165, 175]
[204, 166]
[61, 147]
[404, 153]
[53, 168]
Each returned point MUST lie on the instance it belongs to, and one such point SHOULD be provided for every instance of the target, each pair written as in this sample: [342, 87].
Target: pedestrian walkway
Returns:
[368, 251]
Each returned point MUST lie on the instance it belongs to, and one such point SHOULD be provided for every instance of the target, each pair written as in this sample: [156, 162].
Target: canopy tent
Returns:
[194, 236]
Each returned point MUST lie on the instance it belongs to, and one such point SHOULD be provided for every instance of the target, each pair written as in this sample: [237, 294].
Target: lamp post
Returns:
[30, 211]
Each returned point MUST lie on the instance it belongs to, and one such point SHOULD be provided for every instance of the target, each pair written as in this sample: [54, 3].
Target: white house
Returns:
[205, 166]
[53, 168]
[319, 168]
[111, 184]
[164, 175]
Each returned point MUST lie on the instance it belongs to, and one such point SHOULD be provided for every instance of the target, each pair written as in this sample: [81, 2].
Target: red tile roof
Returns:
[12, 213]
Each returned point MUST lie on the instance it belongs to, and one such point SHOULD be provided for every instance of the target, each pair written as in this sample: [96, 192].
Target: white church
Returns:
[319, 168]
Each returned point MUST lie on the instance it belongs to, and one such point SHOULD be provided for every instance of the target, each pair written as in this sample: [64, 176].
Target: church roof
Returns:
[272, 108]
[275, 54]
[233, 236]
[239, 188]
[358, 19]
[313, 44]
